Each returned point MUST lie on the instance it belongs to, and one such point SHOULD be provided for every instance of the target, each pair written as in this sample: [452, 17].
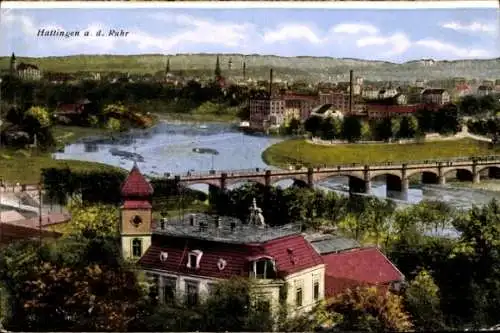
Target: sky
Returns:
[391, 35]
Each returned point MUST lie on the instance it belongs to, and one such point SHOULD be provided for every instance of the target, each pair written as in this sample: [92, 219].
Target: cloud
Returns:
[292, 32]
[187, 33]
[195, 30]
[471, 27]
[397, 43]
[354, 28]
[450, 49]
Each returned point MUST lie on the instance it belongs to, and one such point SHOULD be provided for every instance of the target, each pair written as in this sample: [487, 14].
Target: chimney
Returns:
[163, 223]
[218, 222]
[270, 82]
[351, 73]
[192, 219]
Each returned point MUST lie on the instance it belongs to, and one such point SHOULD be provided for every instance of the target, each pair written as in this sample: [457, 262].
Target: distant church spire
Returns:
[167, 68]
[217, 71]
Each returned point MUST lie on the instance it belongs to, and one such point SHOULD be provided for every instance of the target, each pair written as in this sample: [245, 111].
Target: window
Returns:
[169, 289]
[262, 269]
[316, 289]
[194, 258]
[210, 288]
[298, 297]
[136, 247]
[263, 305]
[299, 293]
[192, 293]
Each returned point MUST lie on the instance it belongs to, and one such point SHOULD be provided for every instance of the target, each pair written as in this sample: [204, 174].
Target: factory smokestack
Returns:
[351, 73]
[244, 71]
[270, 82]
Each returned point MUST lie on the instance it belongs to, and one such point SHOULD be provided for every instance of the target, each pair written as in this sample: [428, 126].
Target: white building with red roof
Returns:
[187, 255]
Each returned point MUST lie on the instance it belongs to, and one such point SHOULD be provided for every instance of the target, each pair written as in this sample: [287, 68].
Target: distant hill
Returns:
[257, 66]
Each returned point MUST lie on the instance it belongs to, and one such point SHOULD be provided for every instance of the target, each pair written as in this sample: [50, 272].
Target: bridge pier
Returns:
[357, 185]
[267, 178]
[223, 178]
[310, 177]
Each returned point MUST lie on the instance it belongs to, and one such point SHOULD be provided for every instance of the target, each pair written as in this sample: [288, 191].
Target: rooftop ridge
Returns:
[225, 229]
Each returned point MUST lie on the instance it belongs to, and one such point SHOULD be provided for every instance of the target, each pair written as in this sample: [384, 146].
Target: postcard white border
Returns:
[493, 4]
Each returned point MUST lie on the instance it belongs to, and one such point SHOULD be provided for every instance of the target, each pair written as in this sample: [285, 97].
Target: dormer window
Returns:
[262, 268]
[194, 258]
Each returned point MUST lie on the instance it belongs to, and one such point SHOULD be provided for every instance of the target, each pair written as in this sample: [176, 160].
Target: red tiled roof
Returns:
[136, 185]
[292, 254]
[178, 248]
[137, 204]
[237, 256]
[47, 220]
[358, 267]
[12, 232]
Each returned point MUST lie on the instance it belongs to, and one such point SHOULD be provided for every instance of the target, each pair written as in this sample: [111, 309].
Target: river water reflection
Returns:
[168, 148]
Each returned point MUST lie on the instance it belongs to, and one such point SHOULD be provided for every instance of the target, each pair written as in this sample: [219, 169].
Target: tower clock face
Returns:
[136, 221]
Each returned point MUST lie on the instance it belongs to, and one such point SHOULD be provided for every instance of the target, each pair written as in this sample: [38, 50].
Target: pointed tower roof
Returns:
[136, 185]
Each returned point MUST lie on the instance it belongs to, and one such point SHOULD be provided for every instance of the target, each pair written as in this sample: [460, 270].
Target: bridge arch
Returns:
[319, 177]
[462, 173]
[384, 173]
[429, 176]
[299, 178]
[232, 184]
[490, 171]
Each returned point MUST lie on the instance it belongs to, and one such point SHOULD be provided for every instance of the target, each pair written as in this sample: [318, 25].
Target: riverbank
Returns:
[485, 184]
[197, 118]
[300, 152]
[24, 166]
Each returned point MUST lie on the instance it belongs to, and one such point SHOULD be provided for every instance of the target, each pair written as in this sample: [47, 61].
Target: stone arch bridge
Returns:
[397, 175]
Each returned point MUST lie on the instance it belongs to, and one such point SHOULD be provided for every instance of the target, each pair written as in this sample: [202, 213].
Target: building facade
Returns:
[435, 96]
[188, 255]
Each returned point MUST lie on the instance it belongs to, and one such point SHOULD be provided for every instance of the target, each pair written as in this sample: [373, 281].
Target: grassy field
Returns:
[300, 152]
[24, 166]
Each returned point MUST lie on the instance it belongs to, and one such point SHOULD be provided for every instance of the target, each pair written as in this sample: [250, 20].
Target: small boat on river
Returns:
[206, 151]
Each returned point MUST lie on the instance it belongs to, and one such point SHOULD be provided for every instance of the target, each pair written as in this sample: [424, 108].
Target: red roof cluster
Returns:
[291, 254]
[136, 186]
[358, 267]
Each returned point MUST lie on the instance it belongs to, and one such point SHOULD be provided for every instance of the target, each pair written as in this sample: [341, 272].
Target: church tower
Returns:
[13, 64]
[136, 215]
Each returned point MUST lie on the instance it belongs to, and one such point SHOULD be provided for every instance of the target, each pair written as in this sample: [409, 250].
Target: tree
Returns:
[40, 114]
[370, 309]
[351, 128]
[113, 125]
[233, 307]
[74, 284]
[366, 133]
[408, 127]
[116, 110]
[395, 127]
[217, 71]
[95, 220]
[422, 300]
[313, 125]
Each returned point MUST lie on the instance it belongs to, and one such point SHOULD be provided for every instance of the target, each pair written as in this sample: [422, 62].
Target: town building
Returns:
[267, 113]
[340, 101]
[462, 90]
[299, 106]
[485, 90]
[187, 255]
[435, 96]
[23, 70]
[380, 111]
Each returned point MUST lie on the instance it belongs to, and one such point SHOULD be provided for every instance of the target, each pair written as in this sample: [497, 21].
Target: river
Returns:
[168, 148]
